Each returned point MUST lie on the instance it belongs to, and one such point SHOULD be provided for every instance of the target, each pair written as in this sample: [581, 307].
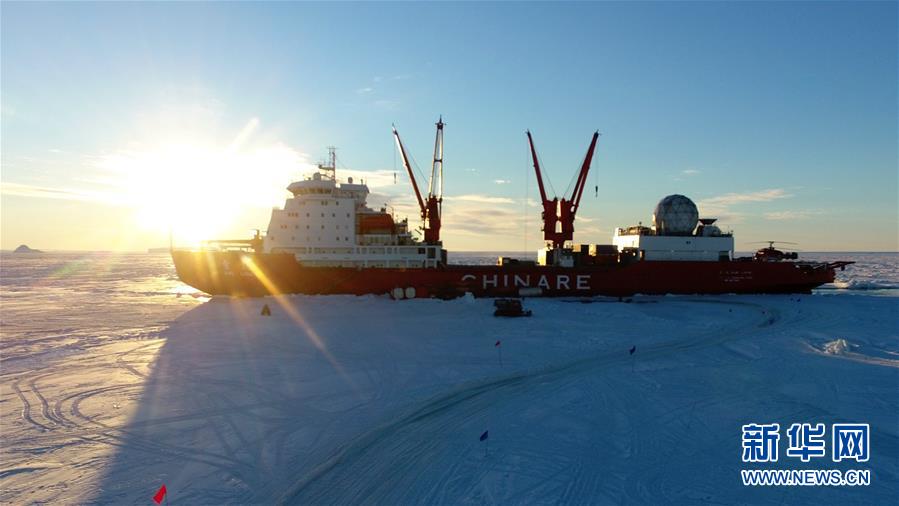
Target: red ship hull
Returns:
[256, 274]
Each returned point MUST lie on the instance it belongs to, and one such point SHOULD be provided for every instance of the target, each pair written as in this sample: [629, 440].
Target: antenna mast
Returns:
[329, 168]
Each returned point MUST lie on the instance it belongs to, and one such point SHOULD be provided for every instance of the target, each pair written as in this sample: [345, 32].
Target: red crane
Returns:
[562, 211]
[431, 208]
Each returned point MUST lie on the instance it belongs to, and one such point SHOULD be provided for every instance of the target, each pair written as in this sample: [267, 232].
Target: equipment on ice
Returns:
[510, 308]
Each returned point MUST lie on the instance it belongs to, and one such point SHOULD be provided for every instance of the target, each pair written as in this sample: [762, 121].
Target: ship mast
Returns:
[329, 168]
[432, 206]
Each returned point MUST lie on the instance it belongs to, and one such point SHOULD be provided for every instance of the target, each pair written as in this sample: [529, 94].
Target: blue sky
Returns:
[779, 118]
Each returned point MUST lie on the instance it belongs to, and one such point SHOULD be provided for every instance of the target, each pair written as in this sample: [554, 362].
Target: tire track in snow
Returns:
[45, 406]
[121, 362]
[125, 438]
[362, 445]
[26, 407]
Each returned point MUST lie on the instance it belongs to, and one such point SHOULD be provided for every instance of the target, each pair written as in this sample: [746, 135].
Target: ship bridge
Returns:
[328, 223]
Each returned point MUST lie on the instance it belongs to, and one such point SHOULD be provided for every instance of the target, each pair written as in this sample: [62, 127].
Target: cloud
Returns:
[758, 196]
[792, 215]
[501, 181]
[477, 220]
[363, 91]
[386, 104]
[481, 199]
[680, 176]
[375, 179]
[34, 191]
[720, 205]
[469, 215]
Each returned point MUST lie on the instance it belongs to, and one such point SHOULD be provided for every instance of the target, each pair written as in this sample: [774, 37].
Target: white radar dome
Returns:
[675, 215]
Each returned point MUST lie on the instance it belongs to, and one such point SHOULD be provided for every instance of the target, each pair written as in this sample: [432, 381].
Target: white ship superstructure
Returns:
[328, 223]
[677, 234]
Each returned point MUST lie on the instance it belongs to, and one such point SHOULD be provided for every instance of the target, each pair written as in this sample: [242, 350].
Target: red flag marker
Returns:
[160, 495]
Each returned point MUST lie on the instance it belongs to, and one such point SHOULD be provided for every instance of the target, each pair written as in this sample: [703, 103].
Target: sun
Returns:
[195, 190]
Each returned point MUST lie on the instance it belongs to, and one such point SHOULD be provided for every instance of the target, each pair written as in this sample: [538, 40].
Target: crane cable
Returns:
[544, 174]
[527, 155]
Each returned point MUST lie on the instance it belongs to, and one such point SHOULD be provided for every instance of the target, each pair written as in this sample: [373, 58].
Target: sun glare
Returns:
[197, 190]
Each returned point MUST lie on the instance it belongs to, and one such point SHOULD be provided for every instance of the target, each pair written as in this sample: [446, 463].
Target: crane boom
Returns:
[435, 202]
[431, 207]
[437, 165]
[536, 167]
[399, 145]
[582, 176]
[550, 207]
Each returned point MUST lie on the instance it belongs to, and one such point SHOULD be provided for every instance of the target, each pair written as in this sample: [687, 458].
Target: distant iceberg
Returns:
[25, 249]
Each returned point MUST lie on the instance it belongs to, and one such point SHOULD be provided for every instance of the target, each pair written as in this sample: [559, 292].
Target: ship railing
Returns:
[245, 245]
[641, 230]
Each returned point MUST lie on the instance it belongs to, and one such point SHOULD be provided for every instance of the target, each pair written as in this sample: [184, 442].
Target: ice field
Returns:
[350, 400]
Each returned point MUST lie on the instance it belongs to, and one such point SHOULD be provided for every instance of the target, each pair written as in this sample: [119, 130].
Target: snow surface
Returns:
[350, 400]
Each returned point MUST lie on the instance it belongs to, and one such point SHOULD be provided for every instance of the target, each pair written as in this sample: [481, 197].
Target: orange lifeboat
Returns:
[376, 223]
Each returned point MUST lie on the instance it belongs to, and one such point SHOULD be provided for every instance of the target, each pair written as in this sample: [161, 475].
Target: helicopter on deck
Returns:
[772, 254]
